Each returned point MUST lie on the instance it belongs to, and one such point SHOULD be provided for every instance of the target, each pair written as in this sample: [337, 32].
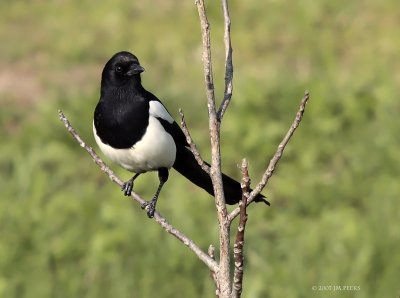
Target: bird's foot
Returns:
[127, 187]
[150, 207]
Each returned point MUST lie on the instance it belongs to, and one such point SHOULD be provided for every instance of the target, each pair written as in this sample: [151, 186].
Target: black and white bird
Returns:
[134, 129]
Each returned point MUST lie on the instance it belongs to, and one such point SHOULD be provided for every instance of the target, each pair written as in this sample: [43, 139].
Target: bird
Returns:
[133, 128]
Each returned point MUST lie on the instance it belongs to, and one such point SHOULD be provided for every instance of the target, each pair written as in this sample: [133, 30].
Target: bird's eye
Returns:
[118, 69]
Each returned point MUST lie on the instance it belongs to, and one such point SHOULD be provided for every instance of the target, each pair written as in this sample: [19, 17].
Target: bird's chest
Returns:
[155, 149]
[121, 124]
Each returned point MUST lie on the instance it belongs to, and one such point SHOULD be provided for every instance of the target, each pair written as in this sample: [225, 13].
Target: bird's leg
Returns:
[150, 206]
[127, 187]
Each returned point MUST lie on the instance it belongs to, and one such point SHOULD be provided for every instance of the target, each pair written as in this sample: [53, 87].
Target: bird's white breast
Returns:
[155, 150]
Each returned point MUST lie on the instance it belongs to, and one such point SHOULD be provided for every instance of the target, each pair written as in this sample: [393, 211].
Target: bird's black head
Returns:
[121, 69]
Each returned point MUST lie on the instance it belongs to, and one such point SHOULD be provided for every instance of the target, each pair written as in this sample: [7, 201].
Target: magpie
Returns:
[134, 129]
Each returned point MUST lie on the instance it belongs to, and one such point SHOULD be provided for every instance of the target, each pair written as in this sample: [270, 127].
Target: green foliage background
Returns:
[66, 230]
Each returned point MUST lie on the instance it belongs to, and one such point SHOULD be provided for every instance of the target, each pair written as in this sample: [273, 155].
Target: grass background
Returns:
[66, 231]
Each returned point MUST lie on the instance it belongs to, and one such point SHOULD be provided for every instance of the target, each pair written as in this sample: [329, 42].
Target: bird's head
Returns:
[122, 68]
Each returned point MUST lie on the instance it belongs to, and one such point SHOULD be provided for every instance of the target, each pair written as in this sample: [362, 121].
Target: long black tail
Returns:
[187, 166]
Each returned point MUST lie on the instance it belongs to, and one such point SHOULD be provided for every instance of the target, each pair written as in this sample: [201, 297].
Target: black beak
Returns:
[135, 69]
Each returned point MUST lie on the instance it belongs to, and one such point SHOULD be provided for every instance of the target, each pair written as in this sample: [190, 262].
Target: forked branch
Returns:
[223, 275]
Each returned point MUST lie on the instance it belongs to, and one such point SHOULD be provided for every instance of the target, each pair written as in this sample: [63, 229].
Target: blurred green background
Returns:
[67, 231]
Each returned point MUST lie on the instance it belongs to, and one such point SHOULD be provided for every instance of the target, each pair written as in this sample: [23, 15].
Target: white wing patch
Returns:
[158, 110]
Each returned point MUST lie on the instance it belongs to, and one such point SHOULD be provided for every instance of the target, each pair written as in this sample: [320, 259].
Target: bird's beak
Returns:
[135, 69]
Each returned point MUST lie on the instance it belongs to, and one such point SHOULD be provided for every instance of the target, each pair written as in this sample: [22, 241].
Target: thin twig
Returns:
[192, 145]
[206, 54]
[212, 264]
[237, 285]
[211, 253]
[228, 62]
[278, 154]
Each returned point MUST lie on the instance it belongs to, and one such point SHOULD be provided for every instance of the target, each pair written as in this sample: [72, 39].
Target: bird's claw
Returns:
[150, 207]
[127, 188]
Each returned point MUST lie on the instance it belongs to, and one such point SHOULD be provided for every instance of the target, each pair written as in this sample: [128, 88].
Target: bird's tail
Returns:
[187, 166]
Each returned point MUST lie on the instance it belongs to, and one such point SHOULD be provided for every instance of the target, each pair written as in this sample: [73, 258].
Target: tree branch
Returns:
[228, 62]
[192, 145]
[211, 263]
[239, 242]
[211, 253]
[278, 154]
[216, 175]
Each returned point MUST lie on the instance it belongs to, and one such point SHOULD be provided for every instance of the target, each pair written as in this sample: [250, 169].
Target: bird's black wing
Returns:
[169, 124]
[186, 164]
[175, 131]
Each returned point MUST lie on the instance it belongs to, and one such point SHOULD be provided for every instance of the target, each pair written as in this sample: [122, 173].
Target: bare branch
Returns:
[278, 154]
[228, 62]
[211, 263]
[239, 242]
[216, 175]
[192, 145]
[211, 253]
[206, 55]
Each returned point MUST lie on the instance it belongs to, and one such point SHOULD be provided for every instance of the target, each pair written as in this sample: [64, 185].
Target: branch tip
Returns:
[277, 156]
